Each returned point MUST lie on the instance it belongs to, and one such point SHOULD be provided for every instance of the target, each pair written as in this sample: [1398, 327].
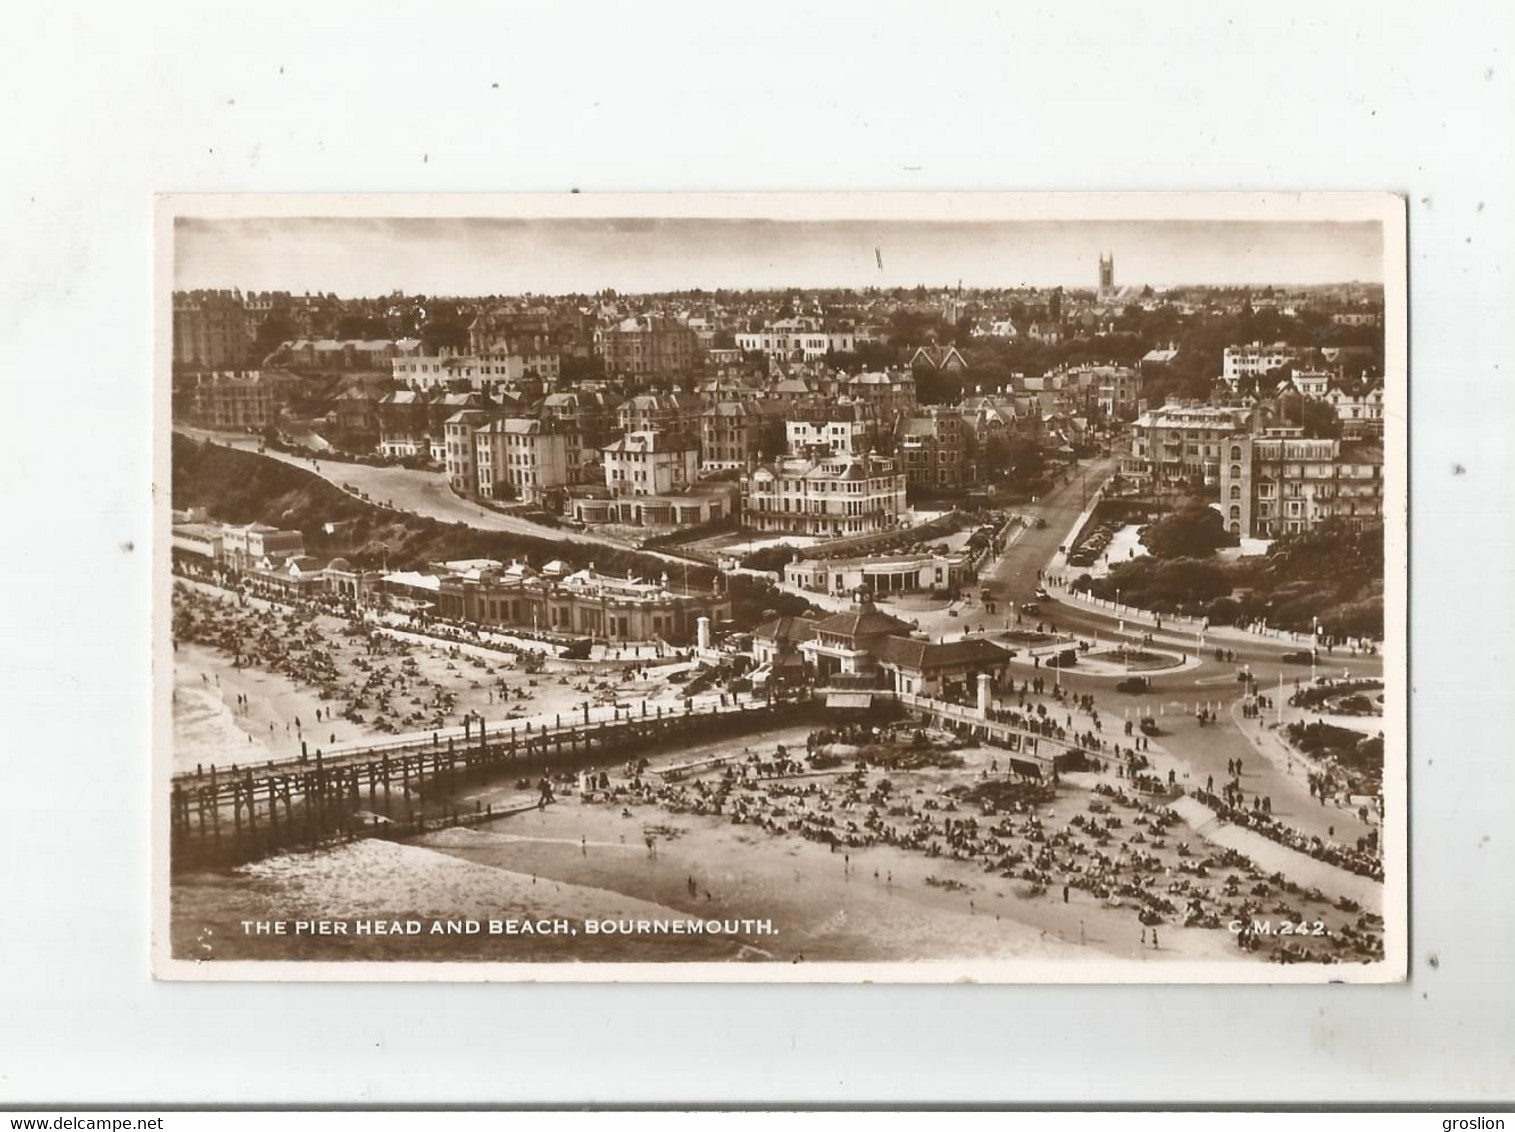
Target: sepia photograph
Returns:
[836, 588]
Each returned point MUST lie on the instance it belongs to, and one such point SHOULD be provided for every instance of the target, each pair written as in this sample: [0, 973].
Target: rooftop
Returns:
[912, 652]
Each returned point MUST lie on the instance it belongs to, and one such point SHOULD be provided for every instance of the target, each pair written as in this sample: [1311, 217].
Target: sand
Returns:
[383, 882]
[589, 859]
[580, 859]
[211, 727]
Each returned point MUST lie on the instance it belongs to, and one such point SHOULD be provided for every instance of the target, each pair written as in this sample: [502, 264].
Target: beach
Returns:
[347, 687]
[615, 857]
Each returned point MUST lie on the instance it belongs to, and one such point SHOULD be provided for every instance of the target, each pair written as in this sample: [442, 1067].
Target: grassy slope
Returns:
[241, 487]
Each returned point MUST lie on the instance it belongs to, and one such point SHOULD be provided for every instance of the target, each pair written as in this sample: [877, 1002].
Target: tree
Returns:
[361, 326]
[277, 328]
[1193, 532]
[1317, 418]
[1026, 462]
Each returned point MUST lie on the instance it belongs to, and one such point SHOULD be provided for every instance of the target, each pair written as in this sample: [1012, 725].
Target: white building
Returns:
[879, 574]
[651, 463]
[834, 496]
[1312, 383]
[1283, 482]
[850, 437]
[1360, 413]
[1255, 360]
[520, 459]
[806, 337]
[481, 372]
[1181, 441]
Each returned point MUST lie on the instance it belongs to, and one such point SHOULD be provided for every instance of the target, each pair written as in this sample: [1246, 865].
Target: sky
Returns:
[450, 256]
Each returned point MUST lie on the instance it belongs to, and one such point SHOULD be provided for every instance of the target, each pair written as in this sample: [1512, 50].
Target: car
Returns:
[1042, 594]
[1031, 607]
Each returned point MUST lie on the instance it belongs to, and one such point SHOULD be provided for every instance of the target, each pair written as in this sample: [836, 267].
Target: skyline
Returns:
[367, 257]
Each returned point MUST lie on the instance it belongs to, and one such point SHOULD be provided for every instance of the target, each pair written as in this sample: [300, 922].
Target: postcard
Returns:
[785, 587]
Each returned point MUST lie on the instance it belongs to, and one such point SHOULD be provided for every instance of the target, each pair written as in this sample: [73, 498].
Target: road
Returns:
[1205, 751]
[418, 492]
[1013, 577]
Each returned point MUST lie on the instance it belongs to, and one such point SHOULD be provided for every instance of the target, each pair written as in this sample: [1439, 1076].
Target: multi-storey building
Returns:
[512, 334]
[240, 401]
[659, 412]
[734, 433]
[1255, 360]
[650, 463]
[991, 416]
[932, 450]
[481, 372]
[1360, 412]
[372, 354]
[582, 411]
[1311, 383]
[357, 412]
[462, 459]
[833, 434]
[414, 424]
[404, 424]
[243, 547]
[890, 394]
[806, 338]
[1182, 440]
[649, 346]
[1282, 482]
[831, 496]
[521, 459]
[210, 329]
[1115, 390]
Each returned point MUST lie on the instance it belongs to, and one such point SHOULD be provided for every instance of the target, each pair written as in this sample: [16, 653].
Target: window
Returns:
[1235, 454]
[1235, 470]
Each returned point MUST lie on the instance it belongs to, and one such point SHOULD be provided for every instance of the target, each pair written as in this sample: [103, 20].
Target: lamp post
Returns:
[1121, 622]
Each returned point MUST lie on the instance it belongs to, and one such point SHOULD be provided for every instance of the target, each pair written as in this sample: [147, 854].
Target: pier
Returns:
[224, 816]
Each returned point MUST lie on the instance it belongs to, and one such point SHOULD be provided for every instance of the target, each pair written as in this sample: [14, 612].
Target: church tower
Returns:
[1107, 275]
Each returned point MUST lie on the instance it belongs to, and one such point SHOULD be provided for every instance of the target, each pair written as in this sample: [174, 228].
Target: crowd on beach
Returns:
[1115, 843]
[374, 678]
[1361, 858]
[377, 677]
